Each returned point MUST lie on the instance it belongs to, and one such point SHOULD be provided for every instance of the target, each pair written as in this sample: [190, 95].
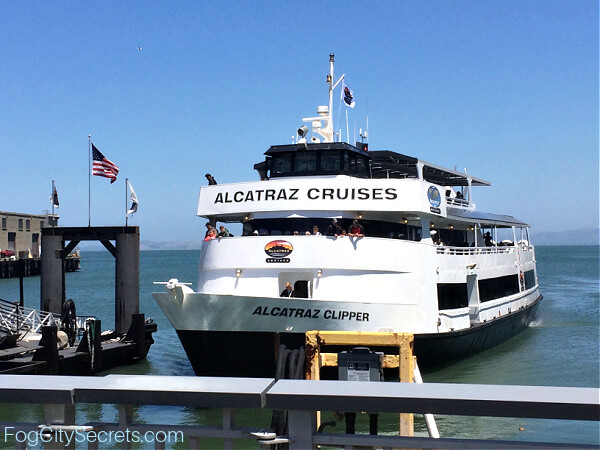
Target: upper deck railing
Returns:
[449, 250]
[301, 398]
[458, 202]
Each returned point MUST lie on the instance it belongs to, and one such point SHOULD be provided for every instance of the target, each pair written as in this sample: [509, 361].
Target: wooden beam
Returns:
[69, 248]
[111, 248]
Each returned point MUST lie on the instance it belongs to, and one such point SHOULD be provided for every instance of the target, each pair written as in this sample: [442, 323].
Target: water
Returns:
[560, 349]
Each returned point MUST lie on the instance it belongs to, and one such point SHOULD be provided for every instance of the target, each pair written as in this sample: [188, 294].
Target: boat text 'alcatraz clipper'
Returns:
[368, 241]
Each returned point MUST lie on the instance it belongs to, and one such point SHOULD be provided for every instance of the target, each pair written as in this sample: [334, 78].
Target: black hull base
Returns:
[253, 354]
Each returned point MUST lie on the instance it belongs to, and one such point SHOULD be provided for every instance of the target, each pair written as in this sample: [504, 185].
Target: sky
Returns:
[506, 89]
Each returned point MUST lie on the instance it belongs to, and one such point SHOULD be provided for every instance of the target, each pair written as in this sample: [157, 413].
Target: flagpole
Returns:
[89, 180]
[52, 200]
[347, 133]
[126, 215]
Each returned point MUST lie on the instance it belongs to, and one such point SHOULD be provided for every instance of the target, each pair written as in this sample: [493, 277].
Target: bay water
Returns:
[561, 348]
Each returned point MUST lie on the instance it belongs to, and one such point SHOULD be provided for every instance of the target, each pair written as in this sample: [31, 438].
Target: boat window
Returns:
[330, 162]
[305, 162]
[493, 288]
[452, 295]
[362, 167]
[529, 279]
[299, 226]
[454, 238]
[346, 163]
[282, 164]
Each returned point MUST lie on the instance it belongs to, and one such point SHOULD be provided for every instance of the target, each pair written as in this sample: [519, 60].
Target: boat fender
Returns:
[299, 374]
[62, 340]
[292, 363]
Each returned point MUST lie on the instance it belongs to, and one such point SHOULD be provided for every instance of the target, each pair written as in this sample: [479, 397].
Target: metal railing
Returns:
[19, 319]
[301, 398]
[459, 202]
[448, 250]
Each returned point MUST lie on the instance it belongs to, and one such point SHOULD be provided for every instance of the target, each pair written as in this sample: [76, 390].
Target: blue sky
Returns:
[506, 89]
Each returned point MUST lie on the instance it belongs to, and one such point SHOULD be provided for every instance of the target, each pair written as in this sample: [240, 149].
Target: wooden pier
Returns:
[95, 351]
[28, 267]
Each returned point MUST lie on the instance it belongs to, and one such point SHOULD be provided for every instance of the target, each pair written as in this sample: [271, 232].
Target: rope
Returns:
[90, 327]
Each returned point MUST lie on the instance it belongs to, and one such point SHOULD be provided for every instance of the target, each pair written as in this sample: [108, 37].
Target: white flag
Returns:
[347, 95]
[54, 198]
[134, 200]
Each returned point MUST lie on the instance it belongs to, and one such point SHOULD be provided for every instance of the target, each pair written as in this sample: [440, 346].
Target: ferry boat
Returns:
[425, 259]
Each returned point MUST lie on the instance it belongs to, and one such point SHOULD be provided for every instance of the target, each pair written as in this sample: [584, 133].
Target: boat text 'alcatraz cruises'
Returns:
[368, 241]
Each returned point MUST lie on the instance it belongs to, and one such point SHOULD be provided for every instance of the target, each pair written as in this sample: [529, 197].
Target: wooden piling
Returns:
[127, 280]
[52, 282]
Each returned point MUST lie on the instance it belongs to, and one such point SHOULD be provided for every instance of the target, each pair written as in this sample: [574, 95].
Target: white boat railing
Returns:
[458, 202]
[448, 250]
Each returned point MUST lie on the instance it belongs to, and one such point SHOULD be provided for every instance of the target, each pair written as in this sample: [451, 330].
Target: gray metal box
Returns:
[360, 364]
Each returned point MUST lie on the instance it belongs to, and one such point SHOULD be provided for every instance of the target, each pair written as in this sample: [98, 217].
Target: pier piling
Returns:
[126, 250]
[127, 279]
[52, 283]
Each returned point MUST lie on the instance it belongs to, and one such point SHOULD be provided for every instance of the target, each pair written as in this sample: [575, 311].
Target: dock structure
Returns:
[95, 351]
[28, 267]
[58, 242]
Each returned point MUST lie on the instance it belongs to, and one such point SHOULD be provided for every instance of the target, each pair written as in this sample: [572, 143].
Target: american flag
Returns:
[103, 167]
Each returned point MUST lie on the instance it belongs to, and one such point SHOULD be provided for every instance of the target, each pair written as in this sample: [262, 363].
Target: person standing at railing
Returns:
[487, 239]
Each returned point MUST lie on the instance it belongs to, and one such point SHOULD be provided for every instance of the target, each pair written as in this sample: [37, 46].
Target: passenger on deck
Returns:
[211, 180]
[487, 239]
[211, 234]
[334, 229]
[209, 226]
[356, 229]
[435, 237]
[224, 232]
[459, 195]
[316, 231]
[287, 291]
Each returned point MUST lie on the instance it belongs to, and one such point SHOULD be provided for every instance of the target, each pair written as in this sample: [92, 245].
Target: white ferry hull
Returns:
[227, 335]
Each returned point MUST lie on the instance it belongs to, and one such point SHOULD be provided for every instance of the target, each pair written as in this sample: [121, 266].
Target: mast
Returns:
[324, 112]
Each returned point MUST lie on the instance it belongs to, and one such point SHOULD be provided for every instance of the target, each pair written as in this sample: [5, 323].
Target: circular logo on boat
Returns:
[278, 249]
[434, 197]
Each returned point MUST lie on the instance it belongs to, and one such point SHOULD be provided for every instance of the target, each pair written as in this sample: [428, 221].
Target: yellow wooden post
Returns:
[406, 372]
[313, 352]
[404, 360]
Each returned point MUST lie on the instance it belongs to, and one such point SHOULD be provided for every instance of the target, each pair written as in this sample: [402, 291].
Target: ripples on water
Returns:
[561, 348]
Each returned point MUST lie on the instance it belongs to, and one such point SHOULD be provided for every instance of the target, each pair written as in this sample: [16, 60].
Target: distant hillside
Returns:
[582, 236]
[171, 245]
[147, 245]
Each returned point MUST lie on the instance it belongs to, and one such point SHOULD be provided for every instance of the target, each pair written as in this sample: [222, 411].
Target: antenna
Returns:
[362, 136]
